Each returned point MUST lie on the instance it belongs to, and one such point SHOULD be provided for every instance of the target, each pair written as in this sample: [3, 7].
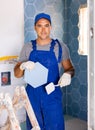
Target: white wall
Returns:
[11, 42]
[11, 27]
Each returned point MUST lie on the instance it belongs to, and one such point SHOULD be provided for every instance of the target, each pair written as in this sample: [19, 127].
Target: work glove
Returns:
[27, 65]
[65, 80]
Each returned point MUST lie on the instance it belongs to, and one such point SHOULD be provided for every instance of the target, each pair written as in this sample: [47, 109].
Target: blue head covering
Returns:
[42, 15]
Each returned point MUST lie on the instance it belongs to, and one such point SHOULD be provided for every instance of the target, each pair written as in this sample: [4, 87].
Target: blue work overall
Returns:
[48, 108]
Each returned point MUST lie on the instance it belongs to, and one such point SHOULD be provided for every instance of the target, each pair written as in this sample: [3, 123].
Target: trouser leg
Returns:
[53, 111]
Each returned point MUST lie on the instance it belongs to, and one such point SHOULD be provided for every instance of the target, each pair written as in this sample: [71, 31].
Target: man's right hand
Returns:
[27, 65]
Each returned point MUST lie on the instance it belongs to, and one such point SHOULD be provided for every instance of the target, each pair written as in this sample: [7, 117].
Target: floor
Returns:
[70, 124]
[74, 123]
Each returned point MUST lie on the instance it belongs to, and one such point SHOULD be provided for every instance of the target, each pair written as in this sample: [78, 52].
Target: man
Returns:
[50, 53]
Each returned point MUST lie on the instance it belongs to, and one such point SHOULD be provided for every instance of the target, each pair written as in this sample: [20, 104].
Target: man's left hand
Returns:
[65, 80]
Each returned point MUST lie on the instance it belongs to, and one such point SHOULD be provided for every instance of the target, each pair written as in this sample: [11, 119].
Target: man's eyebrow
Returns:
[47, 24]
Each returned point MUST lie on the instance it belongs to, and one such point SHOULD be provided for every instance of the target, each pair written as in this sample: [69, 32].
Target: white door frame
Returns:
[91, 64]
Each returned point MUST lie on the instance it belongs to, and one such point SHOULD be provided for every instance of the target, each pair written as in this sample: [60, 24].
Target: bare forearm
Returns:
[71, 71]
[68, 67]
[17, 71]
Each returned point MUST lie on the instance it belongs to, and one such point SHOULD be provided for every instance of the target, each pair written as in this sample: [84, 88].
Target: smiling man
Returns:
[50, 53]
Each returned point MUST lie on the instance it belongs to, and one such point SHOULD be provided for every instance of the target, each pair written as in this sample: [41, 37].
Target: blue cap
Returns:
[42, 15]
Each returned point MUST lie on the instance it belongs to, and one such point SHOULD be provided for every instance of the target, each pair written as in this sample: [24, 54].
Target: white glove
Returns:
[65, 80]
[27, 65]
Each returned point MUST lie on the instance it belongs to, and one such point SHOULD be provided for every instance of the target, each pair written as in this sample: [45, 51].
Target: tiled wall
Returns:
[64, 14]
[76, 94]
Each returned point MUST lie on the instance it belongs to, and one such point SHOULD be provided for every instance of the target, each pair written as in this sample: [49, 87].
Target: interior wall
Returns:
[76, 94]
[11, 27]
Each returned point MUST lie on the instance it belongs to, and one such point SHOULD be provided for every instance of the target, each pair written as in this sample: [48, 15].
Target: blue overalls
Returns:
[48, 108]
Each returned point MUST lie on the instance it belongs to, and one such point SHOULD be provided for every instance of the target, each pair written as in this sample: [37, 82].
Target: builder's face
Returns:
[43, 28]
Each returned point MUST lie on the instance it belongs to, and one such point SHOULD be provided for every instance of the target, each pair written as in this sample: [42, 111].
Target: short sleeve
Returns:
[25, 52]
[65, 52]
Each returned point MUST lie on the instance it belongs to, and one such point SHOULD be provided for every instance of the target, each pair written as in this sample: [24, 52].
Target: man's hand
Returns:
[27, 65]
[65, 80]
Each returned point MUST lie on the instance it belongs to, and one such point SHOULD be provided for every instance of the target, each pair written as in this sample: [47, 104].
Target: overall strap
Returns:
[52, 45]
[34, 44]
[51, 48]
[60, 50]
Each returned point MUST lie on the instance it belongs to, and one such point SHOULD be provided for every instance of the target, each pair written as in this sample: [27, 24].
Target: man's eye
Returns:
[39, 26]
[47, 25]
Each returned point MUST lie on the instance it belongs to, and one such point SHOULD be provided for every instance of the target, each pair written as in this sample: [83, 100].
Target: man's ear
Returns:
[34, 27]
